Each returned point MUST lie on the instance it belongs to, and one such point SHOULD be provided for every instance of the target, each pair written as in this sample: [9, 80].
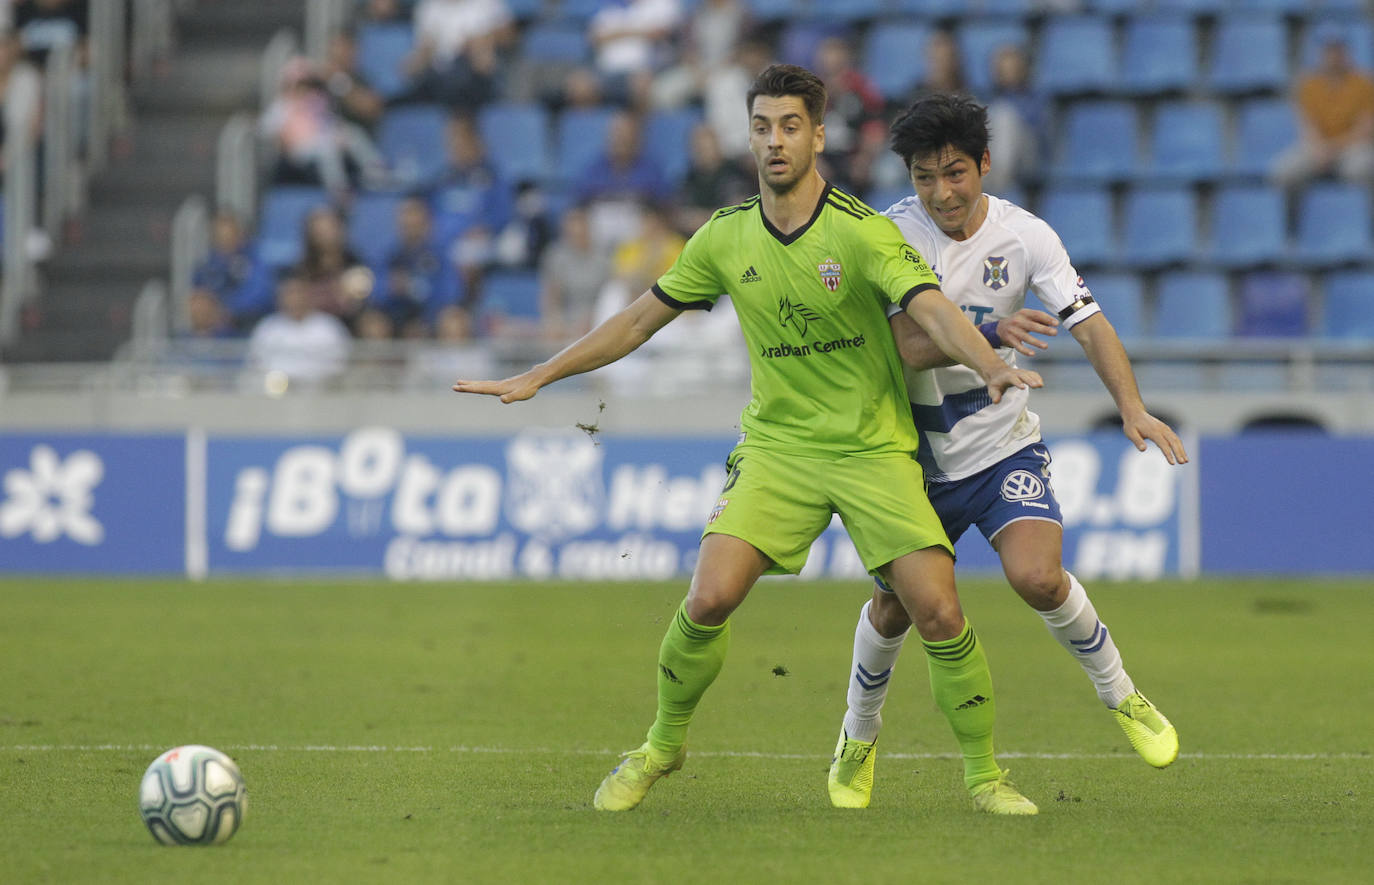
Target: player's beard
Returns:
[781, 186]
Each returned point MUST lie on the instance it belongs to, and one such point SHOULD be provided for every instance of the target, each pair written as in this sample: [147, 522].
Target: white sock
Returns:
[875, 656]
[1076, 625]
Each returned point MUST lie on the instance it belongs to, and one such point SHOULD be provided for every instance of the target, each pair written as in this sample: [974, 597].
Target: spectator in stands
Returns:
[232, 275]
[456, 353]
[313, 144]
[944, 66]
[207, 318]
[723, 95]
[1335, 109]
[472, 202]
[298, 342]
[417, 282]
[381, 11]
[335, 280]
[632, 40]
[354, 98]
[1018, 121]
[457, 51]
[620, 179]
[712, 35]
[21, 94]
[572, 273]
[529, 230]
[43, 25]
[712, 181]
[855, 127]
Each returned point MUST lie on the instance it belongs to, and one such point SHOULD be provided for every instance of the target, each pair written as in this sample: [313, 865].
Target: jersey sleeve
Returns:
[692, 283]
[1054, 280]
[893, 266]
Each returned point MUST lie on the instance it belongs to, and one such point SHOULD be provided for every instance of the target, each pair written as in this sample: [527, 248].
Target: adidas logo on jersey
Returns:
[750, 276]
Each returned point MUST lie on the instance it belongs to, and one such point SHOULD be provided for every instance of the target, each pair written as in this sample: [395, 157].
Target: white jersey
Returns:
[987, 275]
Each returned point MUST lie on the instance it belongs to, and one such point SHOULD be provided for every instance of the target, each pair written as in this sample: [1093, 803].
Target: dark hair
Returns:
[940, 119]
[778, 80]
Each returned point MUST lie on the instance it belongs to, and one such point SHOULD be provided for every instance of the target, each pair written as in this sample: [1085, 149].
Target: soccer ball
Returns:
[192, 795]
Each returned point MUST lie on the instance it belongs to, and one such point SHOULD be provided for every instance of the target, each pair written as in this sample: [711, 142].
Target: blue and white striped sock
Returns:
[1076, 625]
[875, 656]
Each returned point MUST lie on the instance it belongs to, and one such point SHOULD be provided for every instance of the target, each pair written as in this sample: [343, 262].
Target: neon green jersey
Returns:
[826, 375]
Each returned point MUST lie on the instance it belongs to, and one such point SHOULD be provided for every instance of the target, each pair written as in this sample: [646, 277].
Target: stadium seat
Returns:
[1076, 56]
[1249, 54]
[1273, 304]
[978, 40]
[1333, 225]
[413, 140]
[1160, 55]
[882, 198]
[889, 59]
[559, 41]
[1265, 128]
[1159, 226]
[382, 50]
[510, 295]
[1192, 7]
[517, 139]
[1083, 219]
[773, 10]
[1348, 305]
[372, 232]
[800, 39]
[668, 137]
[1099, 141]
[1121, 296]
[1111, 7]
[1187, 142]
[1191, 304]
[1359, 36]
[851, 11]
[580, 10]
[580, 137]
[1249, 226]
[928, 9]
[281, 222]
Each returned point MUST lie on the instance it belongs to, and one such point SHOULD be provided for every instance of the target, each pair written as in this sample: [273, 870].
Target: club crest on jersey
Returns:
[830, 273]
[994, 272]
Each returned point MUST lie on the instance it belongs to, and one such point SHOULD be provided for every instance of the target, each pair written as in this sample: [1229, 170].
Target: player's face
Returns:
[950, 186]
[784, 141]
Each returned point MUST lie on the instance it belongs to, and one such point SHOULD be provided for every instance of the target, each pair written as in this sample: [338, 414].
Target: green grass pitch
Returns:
[455, 733]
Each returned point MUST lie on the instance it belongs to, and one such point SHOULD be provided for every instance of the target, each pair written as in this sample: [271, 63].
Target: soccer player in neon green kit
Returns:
[809, 270]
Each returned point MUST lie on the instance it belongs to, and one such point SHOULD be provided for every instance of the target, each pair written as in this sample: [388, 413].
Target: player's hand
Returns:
[510, 390]
[1016, 330]
[1001, 381]
[1144, 426]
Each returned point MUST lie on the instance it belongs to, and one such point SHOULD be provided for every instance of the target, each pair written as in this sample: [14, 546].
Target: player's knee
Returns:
[1043, 586]
[711, 604]
[938, 620]
[888, 615]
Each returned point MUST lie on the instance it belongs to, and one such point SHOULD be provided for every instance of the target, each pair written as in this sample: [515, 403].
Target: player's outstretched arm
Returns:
[956, 336]
[608, 342]
[919, 351]
[1108, 357]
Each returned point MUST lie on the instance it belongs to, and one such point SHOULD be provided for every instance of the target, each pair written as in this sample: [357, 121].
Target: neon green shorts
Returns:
[781, 502]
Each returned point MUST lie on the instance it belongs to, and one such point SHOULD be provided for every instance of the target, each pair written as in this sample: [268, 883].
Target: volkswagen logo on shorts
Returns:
[1022, 485]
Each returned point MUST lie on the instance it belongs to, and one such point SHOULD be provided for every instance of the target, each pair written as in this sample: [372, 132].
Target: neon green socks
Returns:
[689, 660]
[962, 686]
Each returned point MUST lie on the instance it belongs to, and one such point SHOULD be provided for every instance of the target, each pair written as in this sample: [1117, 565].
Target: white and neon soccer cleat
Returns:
[1150, 732]
[1001, 797]
[629, 782]
[851, 772]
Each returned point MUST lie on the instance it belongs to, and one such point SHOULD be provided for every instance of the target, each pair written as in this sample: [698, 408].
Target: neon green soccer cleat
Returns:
[851, 772]
[1152, 735]
[1000, 797]
[629, 782]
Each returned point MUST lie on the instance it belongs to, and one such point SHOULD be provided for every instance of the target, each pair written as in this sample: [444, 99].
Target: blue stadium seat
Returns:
[579, 10]
[882, 198]
[1190, 304]
[372, 232]
[772, 10]
[1122, 298]
[850, 11]
[1249, 54]
[1265, 128]
[1249, 226]
[1083, 219]
[517, 139]
[1359, 40]
[1076, 56]
[1348, 306]
[1333, 225]
[979, 39]
[1099, 141]
[1273, 304]
[1306, 8]
[928, 9]
[1159, 226]
[891, 59]
[1112, 7]
[580, 137]
[382, 50]
[413, 140]
[511, 294]
[559, 41]
[1159, 55]
[281, 222]
[1187, 142]
[1192, 7]
[668, 137]
[800, 39]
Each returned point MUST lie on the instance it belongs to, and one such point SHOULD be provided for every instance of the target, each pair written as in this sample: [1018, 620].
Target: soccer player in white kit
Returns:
[985, 461]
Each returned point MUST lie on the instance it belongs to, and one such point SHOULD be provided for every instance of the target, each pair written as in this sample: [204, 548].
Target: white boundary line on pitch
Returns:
[378, 748]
